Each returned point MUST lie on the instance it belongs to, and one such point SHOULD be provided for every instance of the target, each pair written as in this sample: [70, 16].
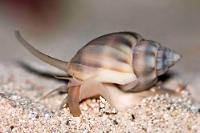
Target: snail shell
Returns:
[115, 66]
[126, 53]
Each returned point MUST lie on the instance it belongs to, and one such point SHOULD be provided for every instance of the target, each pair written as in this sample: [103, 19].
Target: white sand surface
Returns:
[21, 111]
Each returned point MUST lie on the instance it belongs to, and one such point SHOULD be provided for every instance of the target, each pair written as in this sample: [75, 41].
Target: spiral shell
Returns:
[126, 53]
[113, 66]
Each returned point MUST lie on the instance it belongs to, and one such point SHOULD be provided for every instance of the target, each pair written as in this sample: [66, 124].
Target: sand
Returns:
[22, 111]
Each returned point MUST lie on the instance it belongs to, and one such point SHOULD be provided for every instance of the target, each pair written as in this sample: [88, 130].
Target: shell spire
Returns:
[172, 58]
[166, 58]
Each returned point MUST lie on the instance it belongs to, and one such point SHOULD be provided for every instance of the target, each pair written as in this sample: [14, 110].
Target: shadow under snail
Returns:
[121, 67]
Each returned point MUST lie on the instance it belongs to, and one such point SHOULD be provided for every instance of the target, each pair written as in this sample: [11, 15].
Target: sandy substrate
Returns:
[22, 111]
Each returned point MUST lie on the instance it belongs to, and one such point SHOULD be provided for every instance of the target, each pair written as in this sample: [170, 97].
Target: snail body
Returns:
[120, 66]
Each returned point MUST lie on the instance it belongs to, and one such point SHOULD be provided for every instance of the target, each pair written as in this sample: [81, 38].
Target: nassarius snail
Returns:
[120, 66]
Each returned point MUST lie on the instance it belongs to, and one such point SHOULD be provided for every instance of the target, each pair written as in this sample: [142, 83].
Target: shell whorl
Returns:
[151, 60]
[166, 58]
[122, 58]
[109, 52]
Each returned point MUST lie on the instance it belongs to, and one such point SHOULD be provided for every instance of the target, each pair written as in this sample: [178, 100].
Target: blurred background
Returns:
[59, 28]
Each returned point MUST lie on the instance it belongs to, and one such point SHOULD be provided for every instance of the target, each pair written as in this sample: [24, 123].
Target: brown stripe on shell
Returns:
[163, 60]
[122, 42]
[145, 83]
[144, 63]
[99, 56]
[111, 52]
[148, 47]
[144, 57]
[109, 56]
[108, 51]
